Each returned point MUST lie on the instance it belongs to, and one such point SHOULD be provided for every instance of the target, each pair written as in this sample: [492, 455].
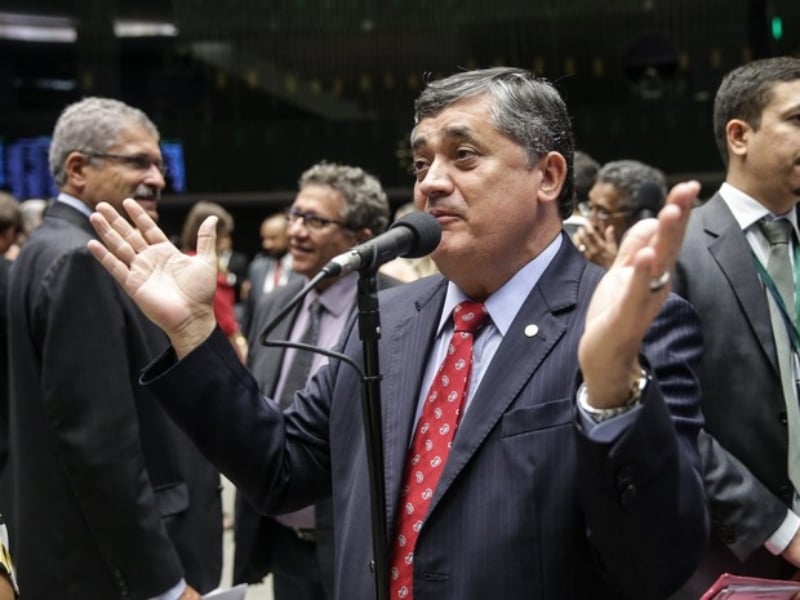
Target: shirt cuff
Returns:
[172, 593]
[779, 541]
[608, 430]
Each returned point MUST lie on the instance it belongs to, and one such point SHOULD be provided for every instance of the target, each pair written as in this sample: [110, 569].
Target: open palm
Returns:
[173, 289]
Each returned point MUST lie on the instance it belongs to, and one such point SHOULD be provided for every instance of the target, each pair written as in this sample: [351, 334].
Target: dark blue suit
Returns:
[527, 506]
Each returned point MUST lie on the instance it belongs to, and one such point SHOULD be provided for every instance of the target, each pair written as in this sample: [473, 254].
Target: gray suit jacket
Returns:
[252, 531]
[109, 498]
[527, 506]
[745, 454]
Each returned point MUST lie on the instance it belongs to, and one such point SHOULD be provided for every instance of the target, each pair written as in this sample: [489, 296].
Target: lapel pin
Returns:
[531, 330]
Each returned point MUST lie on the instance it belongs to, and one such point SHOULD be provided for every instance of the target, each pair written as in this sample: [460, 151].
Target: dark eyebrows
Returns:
[451, 133]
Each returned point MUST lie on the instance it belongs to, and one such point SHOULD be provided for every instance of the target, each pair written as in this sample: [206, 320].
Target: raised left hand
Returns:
[625, 303]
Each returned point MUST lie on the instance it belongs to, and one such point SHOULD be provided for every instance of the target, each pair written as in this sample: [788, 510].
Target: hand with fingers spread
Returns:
[173, 289]
[628, 298]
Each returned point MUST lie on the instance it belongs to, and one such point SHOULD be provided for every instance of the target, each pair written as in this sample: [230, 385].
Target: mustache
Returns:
[147, 191]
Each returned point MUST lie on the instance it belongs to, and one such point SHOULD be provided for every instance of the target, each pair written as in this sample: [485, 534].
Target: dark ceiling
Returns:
[258, 90]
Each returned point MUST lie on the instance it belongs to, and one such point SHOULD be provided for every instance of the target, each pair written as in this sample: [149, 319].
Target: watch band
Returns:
[602, 414]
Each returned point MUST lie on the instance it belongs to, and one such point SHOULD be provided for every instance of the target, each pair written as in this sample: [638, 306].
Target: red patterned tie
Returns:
[431, 445]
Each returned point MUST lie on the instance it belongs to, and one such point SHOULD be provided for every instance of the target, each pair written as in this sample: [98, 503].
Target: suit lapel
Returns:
[729, 247]
[266, 366]
[405, 360]
[517, 359]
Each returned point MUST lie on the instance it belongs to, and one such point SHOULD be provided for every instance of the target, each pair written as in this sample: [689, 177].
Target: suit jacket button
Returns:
[624, 477]
[786, 492]
[728, 538]
[628, 495]
[782, 417]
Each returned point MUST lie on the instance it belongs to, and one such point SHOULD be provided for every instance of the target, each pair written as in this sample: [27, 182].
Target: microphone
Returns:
[649, 200]
[414, 235]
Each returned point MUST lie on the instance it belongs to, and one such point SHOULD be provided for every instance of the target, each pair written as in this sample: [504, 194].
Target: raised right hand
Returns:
[174, 290]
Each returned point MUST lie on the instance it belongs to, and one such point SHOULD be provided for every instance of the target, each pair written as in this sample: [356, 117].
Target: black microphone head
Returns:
[426, 229]
[649, 200]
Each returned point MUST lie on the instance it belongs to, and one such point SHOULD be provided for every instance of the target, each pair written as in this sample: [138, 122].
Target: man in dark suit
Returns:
[109, 498]
[337, 207]
[536, 497]
[270, 269]
[748, 411]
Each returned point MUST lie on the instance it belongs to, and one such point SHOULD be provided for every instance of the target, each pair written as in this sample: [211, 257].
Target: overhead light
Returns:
[37, 28]
[125, 29]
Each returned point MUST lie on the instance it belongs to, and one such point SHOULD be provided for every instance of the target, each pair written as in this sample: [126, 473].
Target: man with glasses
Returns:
[337, 207]
[109, 498]
[624, 192]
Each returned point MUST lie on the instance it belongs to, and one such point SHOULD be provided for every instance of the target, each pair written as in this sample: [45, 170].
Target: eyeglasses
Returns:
[140, 162]
[311, 220]
[591, 210]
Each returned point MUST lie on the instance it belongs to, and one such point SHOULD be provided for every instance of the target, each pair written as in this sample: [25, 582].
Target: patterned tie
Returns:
[301, 365]
[779, 232]
[431, 444]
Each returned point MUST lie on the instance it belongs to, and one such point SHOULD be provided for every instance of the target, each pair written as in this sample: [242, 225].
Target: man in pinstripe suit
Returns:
[537, 498]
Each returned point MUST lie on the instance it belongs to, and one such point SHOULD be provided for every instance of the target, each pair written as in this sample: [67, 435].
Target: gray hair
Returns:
[528, 109]
[366, 203]
[628, 176]
[91, 125]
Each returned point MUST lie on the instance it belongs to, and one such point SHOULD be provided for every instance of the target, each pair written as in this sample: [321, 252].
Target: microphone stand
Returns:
[369, 329]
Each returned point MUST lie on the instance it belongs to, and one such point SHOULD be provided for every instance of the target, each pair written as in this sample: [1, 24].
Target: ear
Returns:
[363, 234]
[737, 133]
[75, 168]
[554, 173]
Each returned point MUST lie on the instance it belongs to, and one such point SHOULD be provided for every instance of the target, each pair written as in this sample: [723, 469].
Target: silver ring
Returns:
[582, 248]
[659, 283]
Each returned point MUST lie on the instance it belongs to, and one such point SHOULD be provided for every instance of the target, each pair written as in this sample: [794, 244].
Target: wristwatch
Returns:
[599, 415]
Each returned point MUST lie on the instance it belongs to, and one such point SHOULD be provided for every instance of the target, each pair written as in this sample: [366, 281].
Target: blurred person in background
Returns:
[10, 225]
[32, 215]
[586, 169]
[270, 269]
[624, 192]
[337, 207]
[225, 296]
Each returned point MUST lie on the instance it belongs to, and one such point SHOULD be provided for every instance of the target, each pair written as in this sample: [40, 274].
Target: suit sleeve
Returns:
[87, 381]
[745, 512]
[642, 493]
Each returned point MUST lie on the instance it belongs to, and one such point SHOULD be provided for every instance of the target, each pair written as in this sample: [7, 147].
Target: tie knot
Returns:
[469, 316]
[777, 231]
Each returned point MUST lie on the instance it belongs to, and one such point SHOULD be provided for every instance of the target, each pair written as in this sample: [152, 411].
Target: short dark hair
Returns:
[746, 91]
[586, 169]
[628, 176]
[528, 109]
